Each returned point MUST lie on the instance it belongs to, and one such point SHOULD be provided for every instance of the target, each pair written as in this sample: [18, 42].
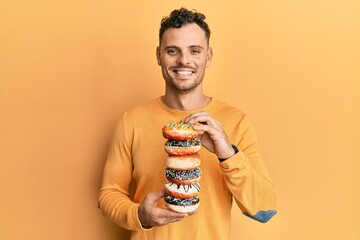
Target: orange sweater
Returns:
[137, 158]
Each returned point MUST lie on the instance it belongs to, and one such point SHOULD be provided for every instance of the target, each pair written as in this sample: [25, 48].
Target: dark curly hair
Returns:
[179, 18]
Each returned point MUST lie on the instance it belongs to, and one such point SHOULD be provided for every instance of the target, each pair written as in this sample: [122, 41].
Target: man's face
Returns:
[183, 55]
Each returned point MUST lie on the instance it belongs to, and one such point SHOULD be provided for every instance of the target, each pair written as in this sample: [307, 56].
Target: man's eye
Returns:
[195, 51]
[171, 51]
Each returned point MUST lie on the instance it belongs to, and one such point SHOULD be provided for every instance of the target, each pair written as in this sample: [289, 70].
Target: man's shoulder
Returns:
[143, 108]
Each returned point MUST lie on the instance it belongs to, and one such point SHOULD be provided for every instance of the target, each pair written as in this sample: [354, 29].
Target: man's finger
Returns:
[208, 120]
[165, 213]
[191, 116]
[170, 216]
[199, 127]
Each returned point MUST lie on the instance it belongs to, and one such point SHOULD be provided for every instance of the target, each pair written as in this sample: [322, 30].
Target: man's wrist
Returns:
[236, 150]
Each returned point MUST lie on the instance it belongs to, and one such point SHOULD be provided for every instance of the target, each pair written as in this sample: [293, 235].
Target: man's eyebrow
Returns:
[167, 47]
[192, 46]
[196, 46]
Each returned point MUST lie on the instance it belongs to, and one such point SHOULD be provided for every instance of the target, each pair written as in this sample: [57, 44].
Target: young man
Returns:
[231, 164]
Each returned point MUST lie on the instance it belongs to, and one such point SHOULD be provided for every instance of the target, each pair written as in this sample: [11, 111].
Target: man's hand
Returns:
[150, 215]
[214, 138]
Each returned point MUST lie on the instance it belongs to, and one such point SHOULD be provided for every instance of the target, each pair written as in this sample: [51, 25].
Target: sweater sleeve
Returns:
[247, 178]
[114, 196]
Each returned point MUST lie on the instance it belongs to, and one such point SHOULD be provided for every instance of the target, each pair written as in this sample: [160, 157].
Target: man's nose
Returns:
[183, 59]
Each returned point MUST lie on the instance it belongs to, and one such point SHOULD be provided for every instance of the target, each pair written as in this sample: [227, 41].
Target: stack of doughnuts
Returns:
[182, 167]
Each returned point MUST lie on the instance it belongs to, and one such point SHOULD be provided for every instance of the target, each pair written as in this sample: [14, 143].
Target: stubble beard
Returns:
[180, 88]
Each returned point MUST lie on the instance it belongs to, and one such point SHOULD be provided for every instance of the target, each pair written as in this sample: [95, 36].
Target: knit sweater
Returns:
[136, 163]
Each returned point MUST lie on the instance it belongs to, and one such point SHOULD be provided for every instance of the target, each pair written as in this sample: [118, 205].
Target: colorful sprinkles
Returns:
[183, 174]
[178, 126]
[182, 135]
[181, 201]
[183, 143]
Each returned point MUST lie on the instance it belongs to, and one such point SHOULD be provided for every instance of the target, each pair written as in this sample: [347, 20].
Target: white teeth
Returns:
[184, 72]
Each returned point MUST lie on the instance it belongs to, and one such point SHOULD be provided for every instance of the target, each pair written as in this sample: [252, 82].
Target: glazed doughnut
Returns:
[182, 147]
[182, 191]
[185, 162]
[179, 131]
[181, 205]
[183, 177]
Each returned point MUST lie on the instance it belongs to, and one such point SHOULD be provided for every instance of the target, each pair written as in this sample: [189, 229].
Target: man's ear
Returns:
[158, 55]
[209, 57]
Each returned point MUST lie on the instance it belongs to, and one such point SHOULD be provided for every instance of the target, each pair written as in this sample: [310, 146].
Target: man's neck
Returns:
[185, 101]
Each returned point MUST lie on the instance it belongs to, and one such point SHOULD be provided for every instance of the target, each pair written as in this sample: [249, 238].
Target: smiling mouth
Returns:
[183, 72]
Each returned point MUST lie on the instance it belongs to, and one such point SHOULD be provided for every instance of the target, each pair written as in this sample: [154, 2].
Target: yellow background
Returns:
[68, 70]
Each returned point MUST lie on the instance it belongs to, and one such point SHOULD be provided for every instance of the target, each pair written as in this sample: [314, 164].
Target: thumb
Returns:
[200, 136]
[154, 196]
[206, 142]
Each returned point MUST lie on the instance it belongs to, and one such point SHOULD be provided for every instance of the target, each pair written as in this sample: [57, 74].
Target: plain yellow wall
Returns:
[68, 70]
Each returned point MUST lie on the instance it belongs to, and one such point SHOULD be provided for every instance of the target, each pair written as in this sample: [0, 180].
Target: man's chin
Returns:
[182, 85]
[185, 88]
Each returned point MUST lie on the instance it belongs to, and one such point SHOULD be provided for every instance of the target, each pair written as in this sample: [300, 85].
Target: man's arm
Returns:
[114, 197]
[244, 172]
